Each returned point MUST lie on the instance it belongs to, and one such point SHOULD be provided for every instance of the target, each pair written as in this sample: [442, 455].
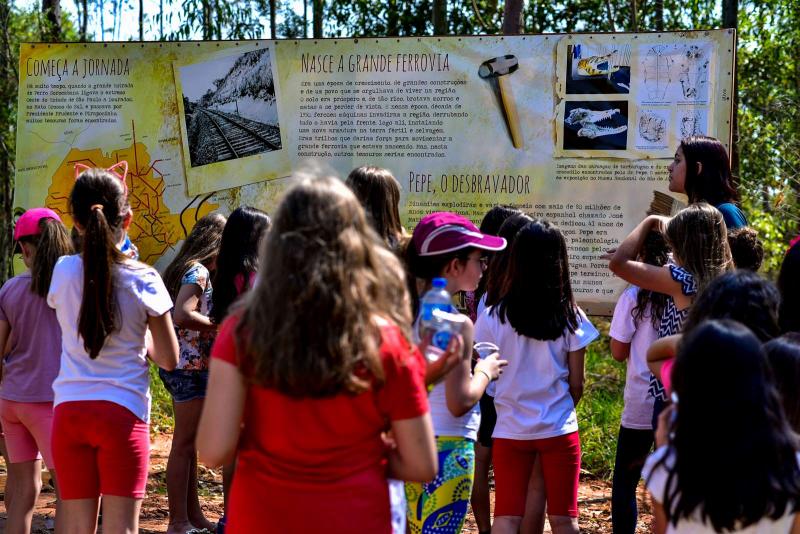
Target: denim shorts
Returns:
[185, 385]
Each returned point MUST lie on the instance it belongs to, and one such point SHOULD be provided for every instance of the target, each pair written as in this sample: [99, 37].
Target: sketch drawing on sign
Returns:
[694, 73]
[691, 123]
[652, 127]
[657, 72]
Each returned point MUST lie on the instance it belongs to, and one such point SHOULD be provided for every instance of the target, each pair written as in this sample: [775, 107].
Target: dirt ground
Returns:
[594, 500]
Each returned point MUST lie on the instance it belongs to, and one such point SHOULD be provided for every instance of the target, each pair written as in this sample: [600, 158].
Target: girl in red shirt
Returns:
[310, 371]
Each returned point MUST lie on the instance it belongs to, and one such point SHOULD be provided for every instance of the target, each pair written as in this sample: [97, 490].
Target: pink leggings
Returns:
[27, 427]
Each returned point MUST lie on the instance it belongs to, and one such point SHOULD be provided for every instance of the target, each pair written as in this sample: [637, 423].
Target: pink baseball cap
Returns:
[443, 232]
[28, 223]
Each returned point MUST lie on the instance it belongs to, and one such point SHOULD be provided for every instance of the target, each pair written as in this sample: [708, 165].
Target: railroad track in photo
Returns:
[236, 137]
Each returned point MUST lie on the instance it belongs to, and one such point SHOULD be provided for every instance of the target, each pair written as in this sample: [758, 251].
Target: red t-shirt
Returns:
[319, 465]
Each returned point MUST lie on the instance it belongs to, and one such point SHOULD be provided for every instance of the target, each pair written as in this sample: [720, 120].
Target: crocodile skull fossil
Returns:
[587, 120]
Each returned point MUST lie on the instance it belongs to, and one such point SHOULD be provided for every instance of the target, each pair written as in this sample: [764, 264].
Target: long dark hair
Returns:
[789, 286]
[743, 296]
[490, 225]
[379, 194]
[714, 183]
[52, 242]
[539, 273]
[309, 326]
[238, 255]
[99, 205]
[735, 457]
[497, 273]
[655, 251]
[201, 246]
[783, 354]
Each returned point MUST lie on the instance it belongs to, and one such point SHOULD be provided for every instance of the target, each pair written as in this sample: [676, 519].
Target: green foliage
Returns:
[162, 418]
[600, 409]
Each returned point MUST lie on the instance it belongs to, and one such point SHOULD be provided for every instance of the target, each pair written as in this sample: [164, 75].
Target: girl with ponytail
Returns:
[28, 327]
[114, 314]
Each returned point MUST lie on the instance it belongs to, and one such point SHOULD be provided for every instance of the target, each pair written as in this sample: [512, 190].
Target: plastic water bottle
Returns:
[436, 319]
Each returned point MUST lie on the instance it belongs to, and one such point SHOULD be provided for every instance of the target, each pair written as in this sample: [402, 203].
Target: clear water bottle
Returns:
[436, 319]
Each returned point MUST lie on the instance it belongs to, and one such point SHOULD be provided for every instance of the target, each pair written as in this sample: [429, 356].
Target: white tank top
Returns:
[444, 423]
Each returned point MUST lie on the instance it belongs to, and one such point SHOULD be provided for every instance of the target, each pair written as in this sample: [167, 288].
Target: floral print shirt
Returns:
[195, 346]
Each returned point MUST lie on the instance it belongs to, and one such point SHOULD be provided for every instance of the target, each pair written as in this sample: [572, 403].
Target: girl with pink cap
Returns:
[29, 329]
[447, 245]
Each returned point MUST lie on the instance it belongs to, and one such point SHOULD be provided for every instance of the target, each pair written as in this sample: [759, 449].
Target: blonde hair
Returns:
[699, 239]
[309, 327]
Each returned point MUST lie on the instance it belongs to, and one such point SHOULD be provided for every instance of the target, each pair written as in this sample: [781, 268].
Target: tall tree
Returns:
[512, 17]
[318, 7]
[8, 91]
[440, 26]
[51, 11]
[141, 20]
[273, 34]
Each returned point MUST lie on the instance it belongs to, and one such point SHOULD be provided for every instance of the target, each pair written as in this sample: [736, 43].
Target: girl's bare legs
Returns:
[184, 504]
[121, 515]
[562, 524]
[480, 488]
[22, 490]
[535, 502]
[79, 516]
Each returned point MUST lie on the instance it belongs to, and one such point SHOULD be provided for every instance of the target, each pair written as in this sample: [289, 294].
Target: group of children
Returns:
[293, 352]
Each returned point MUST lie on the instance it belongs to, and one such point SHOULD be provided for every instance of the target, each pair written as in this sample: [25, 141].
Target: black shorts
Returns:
[488, 420]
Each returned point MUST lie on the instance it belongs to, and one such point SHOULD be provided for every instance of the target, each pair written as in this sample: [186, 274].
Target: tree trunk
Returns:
[318, 7]
[660, 15]
[51, 30]
[633, 7]
[161, 19]
[392, 18]
[305, 19]
[512, 17]
[206, 20]
[84, 6]
[730, 14]
[8, 92]
[272, 20]
[440, 26]
[141, 20]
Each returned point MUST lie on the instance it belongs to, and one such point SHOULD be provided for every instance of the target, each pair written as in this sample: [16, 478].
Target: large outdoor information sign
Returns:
[574, 128]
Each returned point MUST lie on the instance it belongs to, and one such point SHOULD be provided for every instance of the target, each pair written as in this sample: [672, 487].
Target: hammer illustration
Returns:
[498, 68]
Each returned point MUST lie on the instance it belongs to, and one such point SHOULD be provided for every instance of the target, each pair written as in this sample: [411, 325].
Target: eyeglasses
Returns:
[483, 260]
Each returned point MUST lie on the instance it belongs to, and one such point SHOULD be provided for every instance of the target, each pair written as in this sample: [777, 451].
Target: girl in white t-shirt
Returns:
[105, 303]
[543, 334]
[730, 461]
[634, 328]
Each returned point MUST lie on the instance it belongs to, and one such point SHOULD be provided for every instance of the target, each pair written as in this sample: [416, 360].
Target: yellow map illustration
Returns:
[154, 228]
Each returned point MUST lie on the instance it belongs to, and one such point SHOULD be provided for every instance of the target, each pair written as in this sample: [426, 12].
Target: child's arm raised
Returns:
[163, 345]
[464, 389]
[414, 457]
[623, 261]
[186, 314]
[575, 361]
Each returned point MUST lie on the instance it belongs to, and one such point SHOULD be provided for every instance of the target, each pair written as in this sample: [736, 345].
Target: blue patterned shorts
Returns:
[185, 385]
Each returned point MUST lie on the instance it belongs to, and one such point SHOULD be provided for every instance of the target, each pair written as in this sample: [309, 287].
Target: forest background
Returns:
[766, 153]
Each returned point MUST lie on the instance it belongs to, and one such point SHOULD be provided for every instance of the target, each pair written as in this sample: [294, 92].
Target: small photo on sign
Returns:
[230, 109]
[598, 69]
[595, 125]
